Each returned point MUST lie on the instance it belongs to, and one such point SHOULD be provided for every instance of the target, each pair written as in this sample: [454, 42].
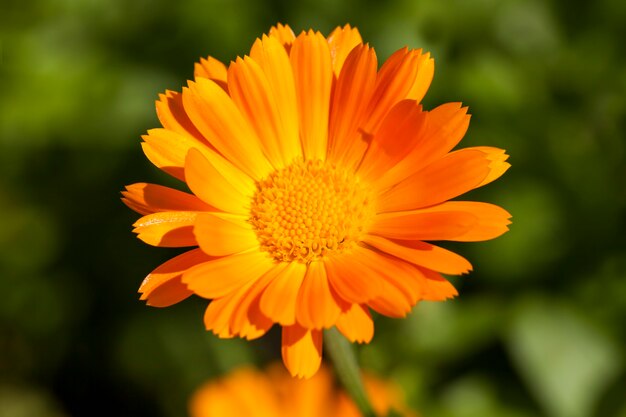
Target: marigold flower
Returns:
[249, 392]
[317, 181]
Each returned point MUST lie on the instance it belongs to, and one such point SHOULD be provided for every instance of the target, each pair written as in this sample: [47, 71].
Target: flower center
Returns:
[309, 209]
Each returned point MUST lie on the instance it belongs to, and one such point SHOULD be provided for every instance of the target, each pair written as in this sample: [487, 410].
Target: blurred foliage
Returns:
[538, 328]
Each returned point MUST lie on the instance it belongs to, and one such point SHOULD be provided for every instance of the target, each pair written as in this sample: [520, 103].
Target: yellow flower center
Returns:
[309, 209]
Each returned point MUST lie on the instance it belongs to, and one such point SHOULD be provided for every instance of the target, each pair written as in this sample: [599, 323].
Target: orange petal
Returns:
[399, 291]
[445, 127]
[162, 287]
[341, 42]
[222, 313]
[491, 220]
[243, 392]
[278, 301]
[352, 281]
[314, 397]
[423, 254]
[168, 293]
[464, 221]
[151, 198]
[449, 177]
[394, 83]
[497, 166]
[395, 138]
[435, 287]
[250, 90]
[218, 313]
[169, 229]
[212, 69]
[220, 234]
[274, 60]
[218, 183]
[283, 34]
[218, 277]
[356, 324]
[255, 324]
[317, 306]
[167, 150]
[215, 115]
[301, 350]
[247, 320]
[425, 72]
[351, 96]
[424, 224]
[172, 115]
[313, 75]
[391, 304]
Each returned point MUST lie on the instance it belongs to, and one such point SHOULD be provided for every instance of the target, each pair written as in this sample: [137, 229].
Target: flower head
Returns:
[316, 181]
[247, 392]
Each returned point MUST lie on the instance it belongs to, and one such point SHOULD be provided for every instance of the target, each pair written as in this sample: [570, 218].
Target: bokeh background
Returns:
[538, 329]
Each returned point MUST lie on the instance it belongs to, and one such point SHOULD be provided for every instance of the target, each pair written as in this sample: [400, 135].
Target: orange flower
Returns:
[317, 180]
[248, 392]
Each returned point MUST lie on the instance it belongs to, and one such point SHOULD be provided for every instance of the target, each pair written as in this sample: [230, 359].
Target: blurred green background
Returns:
[539, 327]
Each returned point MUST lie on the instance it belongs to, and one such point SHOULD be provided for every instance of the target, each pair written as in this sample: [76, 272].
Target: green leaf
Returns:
[567, 362]
[347, 369]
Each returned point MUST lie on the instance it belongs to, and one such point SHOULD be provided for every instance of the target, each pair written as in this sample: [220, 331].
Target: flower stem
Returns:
[347, 369]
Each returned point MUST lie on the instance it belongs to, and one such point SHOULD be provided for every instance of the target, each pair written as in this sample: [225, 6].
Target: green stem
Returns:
[347, 369]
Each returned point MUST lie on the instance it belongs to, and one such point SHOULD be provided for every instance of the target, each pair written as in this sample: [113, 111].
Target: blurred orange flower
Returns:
[249, 392]
[317, 180]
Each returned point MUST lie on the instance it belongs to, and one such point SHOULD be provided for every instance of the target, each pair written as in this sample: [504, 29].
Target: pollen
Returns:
[310, 209]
